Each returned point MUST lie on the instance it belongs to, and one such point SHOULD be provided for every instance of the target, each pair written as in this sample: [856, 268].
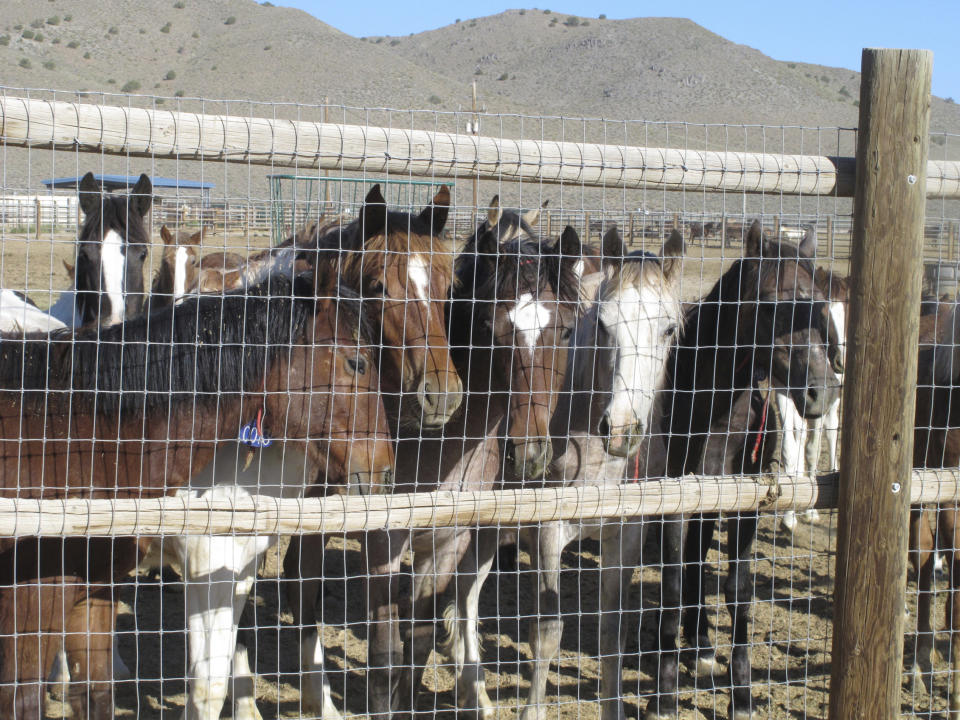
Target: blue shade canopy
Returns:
[125, 182]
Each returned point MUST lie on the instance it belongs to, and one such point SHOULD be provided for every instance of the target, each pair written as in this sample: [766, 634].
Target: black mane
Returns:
[206, 346]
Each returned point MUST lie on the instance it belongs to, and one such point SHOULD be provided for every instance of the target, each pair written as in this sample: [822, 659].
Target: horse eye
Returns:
[376, 288]
[670, 331]
[358, 365]
[565, 335]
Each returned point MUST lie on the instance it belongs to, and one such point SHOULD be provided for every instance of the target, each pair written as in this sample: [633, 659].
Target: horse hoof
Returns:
[659, 715]
[656, 713]
[811, 515]
[789, 520]
[740, 713]
[707, 666]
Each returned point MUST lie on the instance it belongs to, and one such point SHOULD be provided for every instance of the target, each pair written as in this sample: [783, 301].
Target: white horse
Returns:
[618, 361]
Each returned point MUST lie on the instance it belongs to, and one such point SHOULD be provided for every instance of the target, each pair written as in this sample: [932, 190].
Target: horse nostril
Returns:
[813, 393]
[604, 427]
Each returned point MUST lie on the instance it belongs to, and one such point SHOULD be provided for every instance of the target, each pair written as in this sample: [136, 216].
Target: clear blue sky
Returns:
[829, 33]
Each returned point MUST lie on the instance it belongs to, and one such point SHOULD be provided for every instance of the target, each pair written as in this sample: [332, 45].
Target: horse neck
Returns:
[581, 403]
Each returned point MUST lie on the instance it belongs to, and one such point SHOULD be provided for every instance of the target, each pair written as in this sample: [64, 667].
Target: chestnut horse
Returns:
[134, 411]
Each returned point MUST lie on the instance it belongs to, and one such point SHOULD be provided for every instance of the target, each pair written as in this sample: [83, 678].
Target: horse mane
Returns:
[347, 244]
[191, 350]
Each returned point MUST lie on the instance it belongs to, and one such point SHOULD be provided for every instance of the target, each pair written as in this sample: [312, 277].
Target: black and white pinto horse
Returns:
[765, 317]
[616, 363]
[108, 267]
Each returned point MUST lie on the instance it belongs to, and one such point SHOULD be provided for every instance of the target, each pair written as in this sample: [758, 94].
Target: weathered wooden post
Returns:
[880, 385]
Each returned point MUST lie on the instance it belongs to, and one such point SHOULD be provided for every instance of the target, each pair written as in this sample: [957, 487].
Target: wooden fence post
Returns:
[880, 388]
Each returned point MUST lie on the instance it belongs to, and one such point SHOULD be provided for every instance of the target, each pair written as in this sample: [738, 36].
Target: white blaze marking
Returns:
[180, 273]
[419, 275]
[529, 317]
[111, 268]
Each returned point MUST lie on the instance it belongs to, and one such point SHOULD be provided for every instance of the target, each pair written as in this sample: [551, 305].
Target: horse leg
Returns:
[791, 445]
[619, 555]
[25, 652]
[383, 551]
[88, 643]
[696, 621]
[214, 601]
[464, 628]
[738, 592]
[812, 444]
[546, 628]
[948, 527]
[922, 544]
[244, 687]
[663, 705]
[304, 560]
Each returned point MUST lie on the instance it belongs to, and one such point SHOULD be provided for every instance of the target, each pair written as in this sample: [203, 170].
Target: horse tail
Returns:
[451, 633]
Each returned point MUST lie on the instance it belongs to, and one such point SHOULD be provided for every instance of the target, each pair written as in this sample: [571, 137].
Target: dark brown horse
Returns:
[937, 445]
[514, 306]
[765, 317]
[107, 268]
[136, 409]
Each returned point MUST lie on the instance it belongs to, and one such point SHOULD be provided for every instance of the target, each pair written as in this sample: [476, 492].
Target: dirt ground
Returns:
[791, 634]
[791, 637]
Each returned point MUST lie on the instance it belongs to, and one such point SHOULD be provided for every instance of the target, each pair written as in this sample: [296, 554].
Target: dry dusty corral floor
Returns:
[790, 637]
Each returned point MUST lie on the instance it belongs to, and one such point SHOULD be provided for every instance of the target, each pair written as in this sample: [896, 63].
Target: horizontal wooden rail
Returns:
[269, 141]
[260, 514]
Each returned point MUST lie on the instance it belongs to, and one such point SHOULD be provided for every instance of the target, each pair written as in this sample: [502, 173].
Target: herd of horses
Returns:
[380, 355]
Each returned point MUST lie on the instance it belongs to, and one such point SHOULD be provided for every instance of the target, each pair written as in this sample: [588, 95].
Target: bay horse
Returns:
[616, 363]
[937, 445]
[107, 271]
[404, 270]
[513, 308]
[134, 410]
[765, 317]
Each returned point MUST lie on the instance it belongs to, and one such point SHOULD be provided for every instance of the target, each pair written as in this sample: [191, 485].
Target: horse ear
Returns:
[487, 245]
[755, 240]
[435, 214]
[166, 235]
[373, 214]
[89, 192]
[141, 197]
[673, 249]
[196, 238]
[494, 212]
[532, 217]
[808, 246]
[613, 247]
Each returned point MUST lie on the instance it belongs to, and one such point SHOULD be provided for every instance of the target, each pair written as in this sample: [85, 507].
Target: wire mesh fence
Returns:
[462, 450]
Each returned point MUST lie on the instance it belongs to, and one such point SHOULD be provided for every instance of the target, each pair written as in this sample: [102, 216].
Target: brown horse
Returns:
[514, 305]
[937, 445]
[134, 411]
[404, 270]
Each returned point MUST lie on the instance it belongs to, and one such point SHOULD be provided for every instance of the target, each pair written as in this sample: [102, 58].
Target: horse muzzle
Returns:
[621, 440]
[530, 458]
[437, 404]
[370, 482]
